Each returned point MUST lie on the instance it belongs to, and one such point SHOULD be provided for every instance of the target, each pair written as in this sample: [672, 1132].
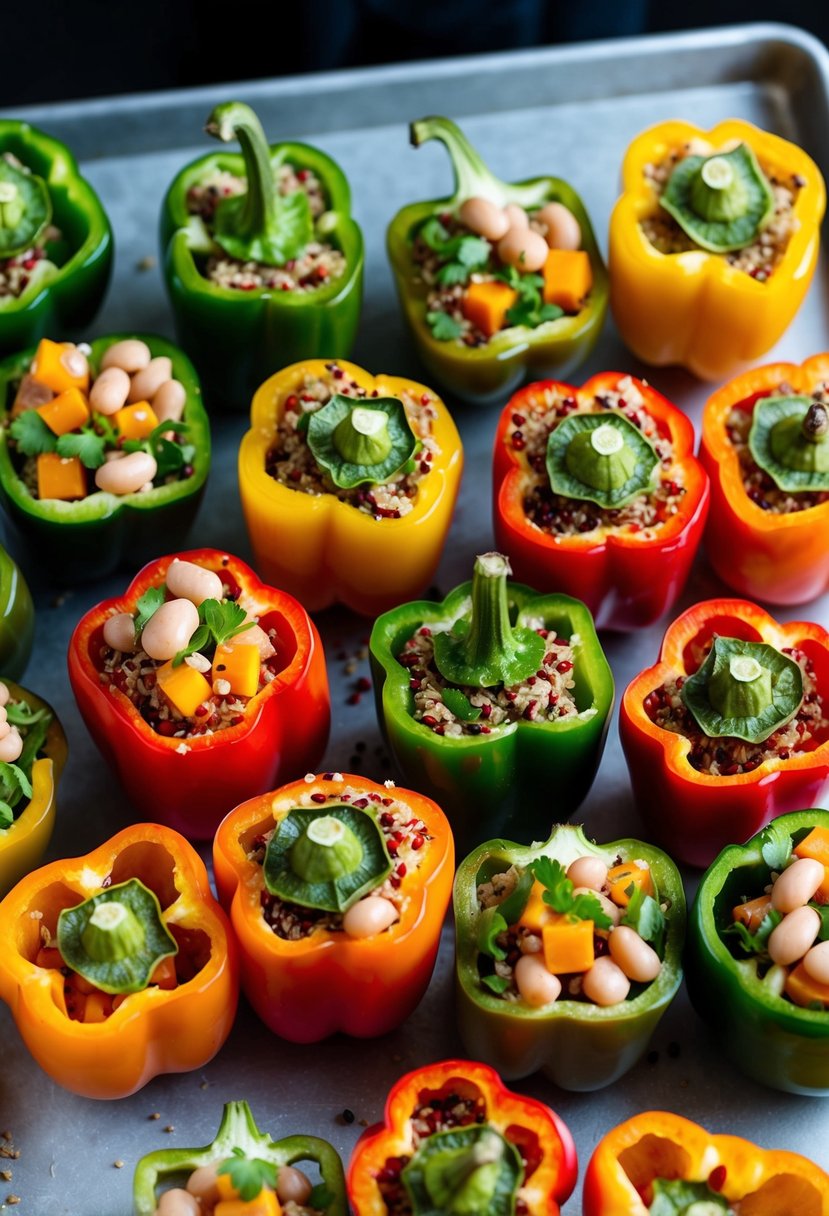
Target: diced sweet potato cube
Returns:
[620, 878]
[816, 845]
[486, 305]
[568, 278]
[136, 421]
[238, 663]
[753, 912]
[66, 412]
[30, 395]
[60, 365]
[183, 686]
[60, 476]
[803, 990]
[568, 945]
[98, 1007]
[536, 914]
[265, 1204]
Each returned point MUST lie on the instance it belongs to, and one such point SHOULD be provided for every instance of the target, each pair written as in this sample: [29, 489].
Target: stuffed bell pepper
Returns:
[201, 686]
[660, 1163]
[103, 450]
[119, 966]
[483, 696]
[713, 243]
[32, 756]
[567, 955]
[262, 260]
[242, 1173]
[729, 728]
[758, 958]
[597, 492]
[455, 1141]
[765, 445]
[55, 239]
[336, 889]
[17, 619]
[364, 469]
[500, 281]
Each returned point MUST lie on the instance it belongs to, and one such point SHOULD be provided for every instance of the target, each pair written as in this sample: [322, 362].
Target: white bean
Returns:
[203, 1183]
[131, 355]
[485, 218]
[607, 905]
[369, 916]
[5, 727]
[169, 401]
[523, 249]
[638, 960]
[605, 983]
[535, 983]
[816, 963]
[4, 693]
[793, 936]
[146, 383]
[127, 475]
[169, 629]
[178, 1202]
[563, 229]
[109, 392]
[193, 582]
[11, 745]
[797, 884]
[4, 716]
[119, 633]
[516, 216]
[587, 872]
[292, 1185]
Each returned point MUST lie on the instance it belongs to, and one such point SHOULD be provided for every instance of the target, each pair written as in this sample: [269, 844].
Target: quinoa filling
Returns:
[757, 483]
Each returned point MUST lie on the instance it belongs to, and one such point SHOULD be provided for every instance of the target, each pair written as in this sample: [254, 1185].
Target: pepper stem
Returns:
[741, 689]
[363, 436]
[718, 193]
[113, 932]
[473, 179]
[464, 1181]
[327, 850]
[235, 120]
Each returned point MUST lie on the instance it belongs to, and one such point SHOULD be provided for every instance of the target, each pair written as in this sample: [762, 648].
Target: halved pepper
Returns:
[486, 373]
[92, 537]
[329, 980]
[576, 1044]
[695, 1167]
[65, 288]
[694, 308]
[346, 555]
[238, 338]
[192, 785]
[779, 557]
[627, 577]
[17, 619]
[693, 813]
[239, 1136]
[495, 1147]
[154, 1029]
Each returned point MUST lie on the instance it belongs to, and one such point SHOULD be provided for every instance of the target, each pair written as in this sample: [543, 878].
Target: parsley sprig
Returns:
[644, 914]
[31, 434]
[529, 309]
[560, 897]
[170, 457]
[148, 604]
[249, 1175]
[219, 622]
[756, 942]
[462, 253]
[443, 326]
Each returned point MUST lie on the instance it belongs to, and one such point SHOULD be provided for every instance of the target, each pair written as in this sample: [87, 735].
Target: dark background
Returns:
[89, 48]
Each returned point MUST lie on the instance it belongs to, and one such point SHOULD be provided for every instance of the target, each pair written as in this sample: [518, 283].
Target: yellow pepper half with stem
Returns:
[694, 308]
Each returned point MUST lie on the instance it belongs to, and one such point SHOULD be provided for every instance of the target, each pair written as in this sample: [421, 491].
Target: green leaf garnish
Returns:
[14, 785]
[722, 202]
[148, 604]
[529, 309]
[467, 253]
[249, 1175]
[21, 713]
[789, 440]
[496, 983]
[491, 924]
[676, 1197]
[220, 620]
[361, 441]
[602, 458]
[460, 705]
[86, 444]
[775, 846]
[25, 208]
[755, 943]
[443, 326]
[6, 815]
[32, 435]
[823, 912]
[644, 914]
[743, 690]
[464, 1172]
[559, 894]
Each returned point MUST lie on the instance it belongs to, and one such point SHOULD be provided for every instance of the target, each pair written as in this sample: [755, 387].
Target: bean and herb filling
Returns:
[759, 485]
[23, 732]
[34, 266]
[241, 1180]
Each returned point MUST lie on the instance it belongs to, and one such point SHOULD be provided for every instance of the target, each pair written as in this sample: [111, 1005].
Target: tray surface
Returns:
[571, 112]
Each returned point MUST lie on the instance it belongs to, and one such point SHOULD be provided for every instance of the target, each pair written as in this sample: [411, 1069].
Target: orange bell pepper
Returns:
[658, 1144]
[325, 551]
[329, 981]
[153, 1031]
[763, 554]
[693, 308]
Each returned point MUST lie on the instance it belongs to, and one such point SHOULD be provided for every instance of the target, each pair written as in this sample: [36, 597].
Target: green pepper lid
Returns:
[721, 202]
[464, 1172]
[602, 458]
[116, 939]
[25, 209]
[743, 690]
[326, 858]
[360, 441]
[789, 440]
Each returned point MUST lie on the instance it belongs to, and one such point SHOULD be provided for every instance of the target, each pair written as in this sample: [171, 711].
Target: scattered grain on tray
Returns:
[119, 1165]
[148, 262]
[169, 1128]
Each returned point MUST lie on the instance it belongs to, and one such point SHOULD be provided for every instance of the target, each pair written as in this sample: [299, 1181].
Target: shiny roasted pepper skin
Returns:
[346, 556]
[773, 1040]
[783, 559]
[628, 580]
[693, 814]
[329, 982]
[660, 1144]
[155, 1031]
[693, 308]
[576, 1044]
[238, 1130]
[91, 538]
[192, 786]
[70, 300]
[17, 619]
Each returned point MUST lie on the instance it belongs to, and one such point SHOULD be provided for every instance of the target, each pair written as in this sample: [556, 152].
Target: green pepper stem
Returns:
[816, 423]
[490, 630]
[473, 178]
[113, 932]
[235, 120]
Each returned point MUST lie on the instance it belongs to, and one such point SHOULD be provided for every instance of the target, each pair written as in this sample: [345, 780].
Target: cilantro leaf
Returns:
[435, 236]
[321, 1197]
[775, 846]
[169, 458]
[755, 943]
[200, 639]
[32, 435]
[460, 705]
[495, 983]
[248, 1174]
[220, 621]
[20, 713]
[6, 815]
[472, 252]
[490, 925]
[33, 741]
[452, 273]
[529, 309]
[559, 894]
[444, 328]
[14, 785]
[148, 604]
[86, 444]
[644, 914]
[677, 1197]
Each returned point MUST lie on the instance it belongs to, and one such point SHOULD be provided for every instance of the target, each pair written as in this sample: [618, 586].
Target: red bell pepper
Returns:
[191, 785]
[628, 578]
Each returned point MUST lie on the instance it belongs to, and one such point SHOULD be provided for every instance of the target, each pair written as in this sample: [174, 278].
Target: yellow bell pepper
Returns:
[323, 550]
[694, 308]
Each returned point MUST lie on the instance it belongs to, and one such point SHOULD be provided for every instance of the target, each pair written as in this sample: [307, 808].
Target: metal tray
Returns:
[572, 112]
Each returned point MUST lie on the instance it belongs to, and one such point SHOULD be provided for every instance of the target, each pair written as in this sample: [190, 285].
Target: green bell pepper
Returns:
[491, 372]
[239, 338]
[92, 537]
[17, 619]
[767, 1036]
[238, 1136]
[66, 287]
[493, 781]
[578, 1045]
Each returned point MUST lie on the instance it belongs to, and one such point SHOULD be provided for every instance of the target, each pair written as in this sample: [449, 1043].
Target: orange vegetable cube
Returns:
[30, 394]
[753, 913]
[265, 1204]
[536, 914]
[816, 845]
[98, 1007]
[486, 305]
[66, 412]
[183, 686]
[568, 278]
[620, 878]
[239, 664]
[136, 421]
[568, 945]
[164, 975]
[60, 365]
[60, 476]
[803, 990]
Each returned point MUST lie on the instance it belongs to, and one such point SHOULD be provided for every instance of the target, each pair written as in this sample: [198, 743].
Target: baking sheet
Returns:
[571, 112]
